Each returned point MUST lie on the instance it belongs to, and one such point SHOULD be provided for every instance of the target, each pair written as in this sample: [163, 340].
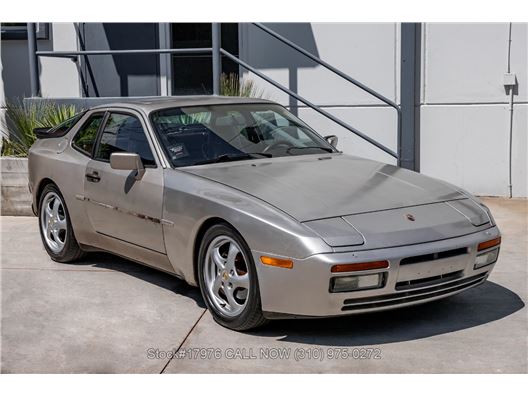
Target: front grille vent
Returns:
[434, 256]
[405, 297]
[431, 281]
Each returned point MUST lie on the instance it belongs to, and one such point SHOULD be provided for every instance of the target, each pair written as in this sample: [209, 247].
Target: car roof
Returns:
[149, 104]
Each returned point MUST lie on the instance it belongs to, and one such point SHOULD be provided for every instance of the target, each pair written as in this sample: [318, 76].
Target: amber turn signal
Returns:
[360, 266]
[489, 244]
[276, 262]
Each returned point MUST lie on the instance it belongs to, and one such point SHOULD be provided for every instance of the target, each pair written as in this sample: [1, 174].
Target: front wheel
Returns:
[228, 279]
[55, 226]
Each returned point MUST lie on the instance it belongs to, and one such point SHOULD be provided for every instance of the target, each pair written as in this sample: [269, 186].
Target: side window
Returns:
[65, 126]
[124, 133]
[84, 139]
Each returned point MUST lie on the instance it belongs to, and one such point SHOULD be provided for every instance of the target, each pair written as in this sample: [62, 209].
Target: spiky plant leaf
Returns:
[232, 85]
[21, 118]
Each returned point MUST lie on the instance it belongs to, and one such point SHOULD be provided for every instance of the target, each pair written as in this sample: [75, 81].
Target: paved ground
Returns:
[107, 314]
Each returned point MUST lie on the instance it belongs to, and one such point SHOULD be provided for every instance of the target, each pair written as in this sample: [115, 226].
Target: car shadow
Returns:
[147, 274]
[486, 303]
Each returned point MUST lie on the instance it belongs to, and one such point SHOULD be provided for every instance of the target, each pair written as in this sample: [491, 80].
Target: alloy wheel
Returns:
[53, 222]
[226, 276]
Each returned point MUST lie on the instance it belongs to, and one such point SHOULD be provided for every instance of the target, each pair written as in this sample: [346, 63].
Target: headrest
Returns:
[230, 120]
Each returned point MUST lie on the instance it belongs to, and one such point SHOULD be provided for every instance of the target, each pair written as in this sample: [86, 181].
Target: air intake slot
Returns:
[412, 295]
[431, 281]
[434, 256]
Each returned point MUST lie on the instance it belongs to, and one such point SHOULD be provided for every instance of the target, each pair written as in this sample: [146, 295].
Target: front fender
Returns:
[191, 200]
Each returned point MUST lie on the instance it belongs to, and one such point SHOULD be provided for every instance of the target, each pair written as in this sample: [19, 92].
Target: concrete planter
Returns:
[16, 199]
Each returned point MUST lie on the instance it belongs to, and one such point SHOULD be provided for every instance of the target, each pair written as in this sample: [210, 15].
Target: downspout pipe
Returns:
[33, 60]
[217, 56]
[510, 182]
[509, 83]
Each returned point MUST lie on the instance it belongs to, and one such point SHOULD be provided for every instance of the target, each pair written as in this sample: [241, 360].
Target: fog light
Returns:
[487, 258]
[357, 282]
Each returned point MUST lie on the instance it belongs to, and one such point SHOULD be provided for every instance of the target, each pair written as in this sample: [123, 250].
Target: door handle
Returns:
[93, 176]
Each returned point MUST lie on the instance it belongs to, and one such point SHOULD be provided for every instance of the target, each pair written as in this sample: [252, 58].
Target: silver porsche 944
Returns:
[241, 198]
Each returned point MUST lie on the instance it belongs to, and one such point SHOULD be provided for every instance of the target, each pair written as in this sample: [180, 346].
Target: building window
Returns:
[18, 31]
[192, 74]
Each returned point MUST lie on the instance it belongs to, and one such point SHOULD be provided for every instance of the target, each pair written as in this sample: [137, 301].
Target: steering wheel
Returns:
[278, 143]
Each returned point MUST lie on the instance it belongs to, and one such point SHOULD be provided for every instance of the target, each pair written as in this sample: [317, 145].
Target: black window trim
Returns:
[103, 125]
[90, 116]
[54, 132]
[20, 32]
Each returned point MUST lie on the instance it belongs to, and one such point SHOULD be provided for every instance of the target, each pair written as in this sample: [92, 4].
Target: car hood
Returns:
[312, 187]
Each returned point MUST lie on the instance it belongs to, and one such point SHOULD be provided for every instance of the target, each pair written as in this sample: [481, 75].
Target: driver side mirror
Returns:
[332, 139]
[128, 161]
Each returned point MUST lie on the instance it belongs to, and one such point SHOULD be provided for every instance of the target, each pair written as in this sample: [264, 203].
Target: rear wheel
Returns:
[55, 227]
[228, 279]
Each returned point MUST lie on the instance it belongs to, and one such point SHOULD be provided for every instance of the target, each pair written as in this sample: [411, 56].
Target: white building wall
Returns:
[464, 106]
[367, 52]
[58, 76]
[465, 112]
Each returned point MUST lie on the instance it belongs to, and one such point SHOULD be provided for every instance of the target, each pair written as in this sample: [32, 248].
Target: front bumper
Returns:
[303, 291]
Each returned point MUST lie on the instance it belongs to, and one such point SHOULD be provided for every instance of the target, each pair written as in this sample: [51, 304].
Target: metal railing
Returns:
[75, 54]
[217, 51]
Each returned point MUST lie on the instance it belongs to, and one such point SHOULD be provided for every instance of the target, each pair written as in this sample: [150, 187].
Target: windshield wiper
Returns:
[231, 157]
[267, 155]
[327, 149]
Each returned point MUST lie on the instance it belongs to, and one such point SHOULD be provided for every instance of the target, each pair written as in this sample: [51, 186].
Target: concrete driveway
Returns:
[110, 315]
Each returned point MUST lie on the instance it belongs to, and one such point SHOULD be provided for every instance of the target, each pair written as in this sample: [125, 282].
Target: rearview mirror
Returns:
[332, 139]
[128, 161]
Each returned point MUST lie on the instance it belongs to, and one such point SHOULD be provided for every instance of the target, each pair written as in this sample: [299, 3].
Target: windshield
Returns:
[206, 134]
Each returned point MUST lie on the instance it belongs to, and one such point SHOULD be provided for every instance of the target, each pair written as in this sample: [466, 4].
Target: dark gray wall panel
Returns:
[120, 75]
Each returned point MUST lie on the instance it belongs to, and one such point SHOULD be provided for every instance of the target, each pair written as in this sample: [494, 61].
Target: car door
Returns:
[119, 206]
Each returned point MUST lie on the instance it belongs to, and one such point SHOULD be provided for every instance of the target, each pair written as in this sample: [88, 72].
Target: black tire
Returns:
[251, 317]
[71, 250]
